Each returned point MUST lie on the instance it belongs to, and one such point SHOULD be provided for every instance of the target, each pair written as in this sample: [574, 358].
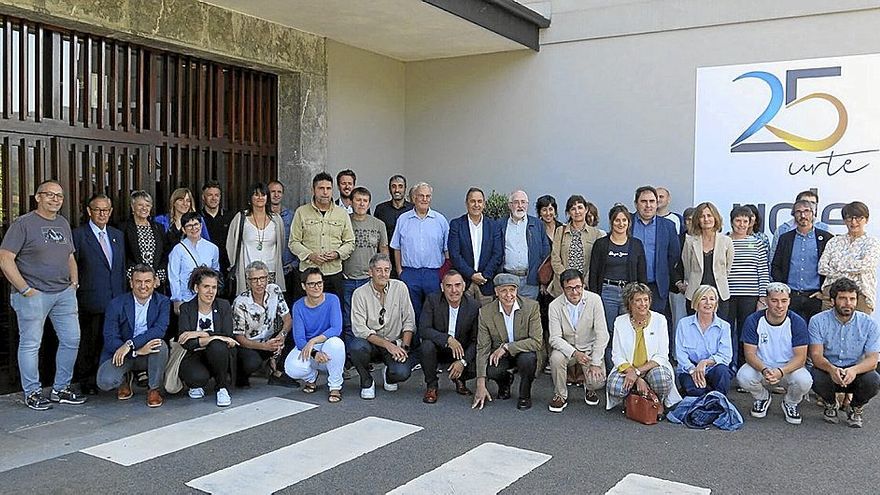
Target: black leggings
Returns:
[198, 367]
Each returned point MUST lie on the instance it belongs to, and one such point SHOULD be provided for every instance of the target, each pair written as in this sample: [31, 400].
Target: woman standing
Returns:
[205, 331]
[261, 234]
[144, 238]
[617, 260]
[855, 256]
[190, 253]
[748, 276]
[706, 257]
[181, 202]
[572, 242]
[546, 208]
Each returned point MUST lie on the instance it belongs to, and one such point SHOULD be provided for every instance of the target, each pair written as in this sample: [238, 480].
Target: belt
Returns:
[618, 283]
[518, 273]
[804, 293]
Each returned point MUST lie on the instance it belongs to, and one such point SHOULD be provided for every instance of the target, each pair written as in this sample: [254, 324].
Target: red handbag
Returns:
[645, 409]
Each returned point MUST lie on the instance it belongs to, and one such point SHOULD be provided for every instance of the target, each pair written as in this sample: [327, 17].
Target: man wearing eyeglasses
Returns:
[813, 198]
[100, 258]
[37, 258]
[383, 322]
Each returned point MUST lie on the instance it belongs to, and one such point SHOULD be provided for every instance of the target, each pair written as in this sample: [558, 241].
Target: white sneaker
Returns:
[223, 398]
[389, 387]
[369, 392]
[196, 393]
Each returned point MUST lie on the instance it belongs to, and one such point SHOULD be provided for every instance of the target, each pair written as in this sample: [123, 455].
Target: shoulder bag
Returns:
[173, 383]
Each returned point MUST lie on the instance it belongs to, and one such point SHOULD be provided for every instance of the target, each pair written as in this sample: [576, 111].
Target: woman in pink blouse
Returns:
[855, 256]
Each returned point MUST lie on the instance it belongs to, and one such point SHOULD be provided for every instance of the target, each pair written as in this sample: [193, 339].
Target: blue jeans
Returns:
[421, 282]
[61, 308]
[612, 302]
[349, 287]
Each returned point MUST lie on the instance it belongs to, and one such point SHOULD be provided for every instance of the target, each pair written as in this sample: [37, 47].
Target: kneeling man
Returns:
[134, 326]
[578, 336]
[509, 338]
[775, 344]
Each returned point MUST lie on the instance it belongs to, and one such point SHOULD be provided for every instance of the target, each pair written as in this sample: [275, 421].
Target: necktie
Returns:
[102, 240]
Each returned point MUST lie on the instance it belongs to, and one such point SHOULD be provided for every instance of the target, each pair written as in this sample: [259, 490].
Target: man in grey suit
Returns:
[509, 338]
[448, 329]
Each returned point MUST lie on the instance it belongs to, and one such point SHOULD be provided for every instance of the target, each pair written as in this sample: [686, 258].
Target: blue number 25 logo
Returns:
[790, 142]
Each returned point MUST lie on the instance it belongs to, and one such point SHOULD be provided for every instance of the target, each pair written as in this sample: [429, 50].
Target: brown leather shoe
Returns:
[461, 388]
[124, 391]
[154, 398]
[430, 396]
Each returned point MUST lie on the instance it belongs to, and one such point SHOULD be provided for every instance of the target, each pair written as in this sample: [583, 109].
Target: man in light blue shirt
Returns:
[791, 224]
[775, 349]
[844, 347]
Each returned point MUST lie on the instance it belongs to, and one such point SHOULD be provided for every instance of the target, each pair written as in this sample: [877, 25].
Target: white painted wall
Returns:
[365, 116]
[608, 104]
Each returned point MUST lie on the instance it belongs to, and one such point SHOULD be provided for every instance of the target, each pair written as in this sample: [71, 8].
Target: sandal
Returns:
[310, 387]
[335, 396]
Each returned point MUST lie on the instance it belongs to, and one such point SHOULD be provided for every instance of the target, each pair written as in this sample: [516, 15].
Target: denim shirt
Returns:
[845, 343]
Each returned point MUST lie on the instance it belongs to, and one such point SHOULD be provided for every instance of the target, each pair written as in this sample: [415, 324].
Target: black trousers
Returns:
[863, 388]
[805, 306]
[91, 342]
[433, 355]
[525, 363]
[250, 360]
[212, 362]
[740, 309]
[362, 353]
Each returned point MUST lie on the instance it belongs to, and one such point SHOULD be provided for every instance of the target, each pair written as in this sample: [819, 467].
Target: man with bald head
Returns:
[525, 244]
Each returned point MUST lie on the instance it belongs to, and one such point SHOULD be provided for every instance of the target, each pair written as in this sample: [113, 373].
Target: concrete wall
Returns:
[601, 110]
[365, 116]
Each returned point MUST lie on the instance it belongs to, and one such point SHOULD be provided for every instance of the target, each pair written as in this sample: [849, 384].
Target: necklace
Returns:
[638, 324]
[261, 232]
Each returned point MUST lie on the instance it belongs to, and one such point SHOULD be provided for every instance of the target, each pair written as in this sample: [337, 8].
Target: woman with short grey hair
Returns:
[260, 322]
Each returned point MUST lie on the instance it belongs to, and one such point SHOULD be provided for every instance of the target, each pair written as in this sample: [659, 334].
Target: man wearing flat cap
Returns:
[508, 340]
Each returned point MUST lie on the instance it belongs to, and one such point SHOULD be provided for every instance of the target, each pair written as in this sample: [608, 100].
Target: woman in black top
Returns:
[144, 238]
[546, 208]
[617, 259]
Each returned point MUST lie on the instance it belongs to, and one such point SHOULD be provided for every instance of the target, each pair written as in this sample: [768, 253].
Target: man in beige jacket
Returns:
[578, 336]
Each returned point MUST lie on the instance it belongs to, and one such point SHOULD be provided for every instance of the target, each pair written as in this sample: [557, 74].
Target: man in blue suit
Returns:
[475, 247]
[100, 260]
[133, 331]
[662, 251]
[526, 245]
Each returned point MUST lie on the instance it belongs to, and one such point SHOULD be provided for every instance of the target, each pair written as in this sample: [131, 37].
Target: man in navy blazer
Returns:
[662, 248]
[523, 258]
[133, 330]
[477, 261]
[100, 260]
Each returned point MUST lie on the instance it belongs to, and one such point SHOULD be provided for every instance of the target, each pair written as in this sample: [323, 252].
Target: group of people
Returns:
[662, 304]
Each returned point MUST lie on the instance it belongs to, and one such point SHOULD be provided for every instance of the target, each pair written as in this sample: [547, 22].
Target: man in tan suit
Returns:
[578, 336]
[508, 338]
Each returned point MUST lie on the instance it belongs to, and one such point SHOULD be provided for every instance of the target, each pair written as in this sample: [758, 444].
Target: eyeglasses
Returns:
[264, 278]
[192, 225]
[382, 316]
[101, 210]
[572, 288]
[314, 285]
[52, 195]
[205, 323]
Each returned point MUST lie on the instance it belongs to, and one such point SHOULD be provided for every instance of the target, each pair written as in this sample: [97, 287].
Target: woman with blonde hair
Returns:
[707, 256]
[180, 202]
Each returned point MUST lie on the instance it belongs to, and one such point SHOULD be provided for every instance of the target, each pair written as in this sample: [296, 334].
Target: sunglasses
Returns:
[382, 317]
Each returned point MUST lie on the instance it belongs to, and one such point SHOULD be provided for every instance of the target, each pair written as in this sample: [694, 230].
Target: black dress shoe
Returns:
[524, 403]
[461, 388]
[89, 389]
[504, 392]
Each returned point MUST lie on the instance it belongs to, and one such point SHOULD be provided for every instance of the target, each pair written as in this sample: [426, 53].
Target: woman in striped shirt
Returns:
[748, 277]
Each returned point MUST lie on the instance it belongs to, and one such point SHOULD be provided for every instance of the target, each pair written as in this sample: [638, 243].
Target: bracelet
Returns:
[764, 370]
[26, 289]
[781, 373]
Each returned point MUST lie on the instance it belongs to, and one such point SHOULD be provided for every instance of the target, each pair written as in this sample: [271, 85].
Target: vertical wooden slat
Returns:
[56, 112]
[139, 92]
[233, 108]
[99, 111]
[113, 87]
[179, 73]
[23, 76]
[258, 120]
[152, 122]
[192, 74]
[6, 183]
[7, 68]
[126, 89]
[219, 96]
[250, 107]
[72, 83]
[22, 164]
[38, 77]
[87, 81]
[209, 101]
[167, 94]
[201, 74]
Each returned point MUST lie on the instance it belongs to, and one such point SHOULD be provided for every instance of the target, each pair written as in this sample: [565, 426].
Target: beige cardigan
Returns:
[692, 261]
[232, 244]
[561, 246]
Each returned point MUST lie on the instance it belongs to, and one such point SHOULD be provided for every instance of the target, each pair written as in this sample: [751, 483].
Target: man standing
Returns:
[790, 225]
[369, 239]
[662, 248]
[289, 262]
[448, 330]
[36, 257]
[509, 338]
[321, 235]
[419, 242]
[100, 260]
[578, 336]
[217, 222]
[525, 245]
[475, 247]
[133, 332]
[346, 180]
[844, 347]
[796, 261]
[775, 344]
[390, 210]
[383, 323]
[677, 301]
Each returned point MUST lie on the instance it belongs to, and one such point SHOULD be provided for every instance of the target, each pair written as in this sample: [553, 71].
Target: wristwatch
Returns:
[463, 362]
[638, 372]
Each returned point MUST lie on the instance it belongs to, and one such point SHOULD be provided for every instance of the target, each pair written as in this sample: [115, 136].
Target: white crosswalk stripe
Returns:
[637, 484]
[178, 436]
[289, 465]
[488, 468]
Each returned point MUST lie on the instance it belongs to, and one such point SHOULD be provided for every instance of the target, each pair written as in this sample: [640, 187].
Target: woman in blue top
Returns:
[317, 325]
[703, 348]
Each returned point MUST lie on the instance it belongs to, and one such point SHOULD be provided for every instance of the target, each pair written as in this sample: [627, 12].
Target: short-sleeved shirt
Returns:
[42, 250]
[775, 343]
[255, 321]
[369, 235]
[845, 344]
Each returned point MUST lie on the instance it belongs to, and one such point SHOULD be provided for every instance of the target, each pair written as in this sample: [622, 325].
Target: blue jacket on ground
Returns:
[713, 408]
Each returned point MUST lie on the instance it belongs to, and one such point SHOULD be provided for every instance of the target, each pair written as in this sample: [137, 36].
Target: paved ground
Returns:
[590, 449]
